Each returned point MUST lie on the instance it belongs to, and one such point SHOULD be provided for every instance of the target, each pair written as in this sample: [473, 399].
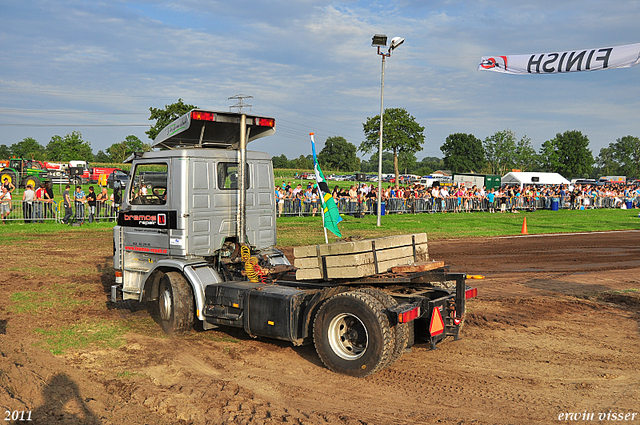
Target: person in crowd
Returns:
[80, 198]
[9, 185]
[491, 197]
[5, 203]
[280, 198]
[91, 201]
[28, 197]
[66, 201]
[41, 194]
[101, 203]
[314, 200]
[49, 199]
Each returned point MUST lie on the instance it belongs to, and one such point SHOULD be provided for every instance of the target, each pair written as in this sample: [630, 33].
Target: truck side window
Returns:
[149, 185]
[228, 175]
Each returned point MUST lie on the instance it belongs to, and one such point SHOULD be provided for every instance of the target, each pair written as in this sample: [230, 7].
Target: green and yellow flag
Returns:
[330, 215]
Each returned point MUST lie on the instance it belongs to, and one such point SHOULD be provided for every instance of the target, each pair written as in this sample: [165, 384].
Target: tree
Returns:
[101, 157]
[68, 148]
[526, 158]
[118, 152]
[627, 155]
[371, 165]
[338, 154]
[166, 116]
[500, 151]
[568, 154]
[428, 165]
[281, 161]
[304, 162]
[5, 151]
[463, 153]
[401, 135]
[28, 148]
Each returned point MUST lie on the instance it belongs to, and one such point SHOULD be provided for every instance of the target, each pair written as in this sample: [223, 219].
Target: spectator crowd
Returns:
[362, 198]
[37, 206]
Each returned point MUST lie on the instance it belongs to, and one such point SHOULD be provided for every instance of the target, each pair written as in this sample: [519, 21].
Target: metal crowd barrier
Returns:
[348, 206]
[43, 211]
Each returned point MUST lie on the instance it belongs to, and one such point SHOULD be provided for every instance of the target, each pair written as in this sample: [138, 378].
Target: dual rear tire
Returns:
[353, 336]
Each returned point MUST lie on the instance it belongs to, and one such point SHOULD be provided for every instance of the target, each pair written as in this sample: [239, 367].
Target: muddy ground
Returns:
[554, 331]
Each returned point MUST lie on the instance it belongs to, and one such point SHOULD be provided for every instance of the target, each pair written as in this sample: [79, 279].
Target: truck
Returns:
[22, 172]
[491, 181]
[613, 179]
[196, 239]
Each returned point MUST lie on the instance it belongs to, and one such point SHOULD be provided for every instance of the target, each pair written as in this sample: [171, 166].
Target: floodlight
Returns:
[379, 40]
[395, 42]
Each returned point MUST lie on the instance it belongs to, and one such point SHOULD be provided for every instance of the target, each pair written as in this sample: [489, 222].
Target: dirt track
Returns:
[555, 329]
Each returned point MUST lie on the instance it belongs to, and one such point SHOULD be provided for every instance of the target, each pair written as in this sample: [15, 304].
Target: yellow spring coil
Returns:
[250, 264]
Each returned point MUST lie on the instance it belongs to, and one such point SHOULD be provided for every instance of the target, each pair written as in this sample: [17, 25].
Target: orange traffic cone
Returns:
[524, 226]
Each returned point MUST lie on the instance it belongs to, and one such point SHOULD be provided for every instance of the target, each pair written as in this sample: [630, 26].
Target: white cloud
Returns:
[310, 64]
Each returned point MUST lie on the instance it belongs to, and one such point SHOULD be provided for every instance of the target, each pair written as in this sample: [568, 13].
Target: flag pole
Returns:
[326, 239]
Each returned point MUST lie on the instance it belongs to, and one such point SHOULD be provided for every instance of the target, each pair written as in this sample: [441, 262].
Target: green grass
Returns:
[58, 297]
[100, 333]
[27, 232]
[294, 231]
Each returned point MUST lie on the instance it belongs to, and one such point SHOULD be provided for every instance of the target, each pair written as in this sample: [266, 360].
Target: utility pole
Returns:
[240, 105]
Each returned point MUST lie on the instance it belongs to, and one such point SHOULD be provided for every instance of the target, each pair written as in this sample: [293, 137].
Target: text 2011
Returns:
[17, 415]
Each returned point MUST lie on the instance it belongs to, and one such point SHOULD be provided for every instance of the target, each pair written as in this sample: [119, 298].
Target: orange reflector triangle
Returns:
[437, 324]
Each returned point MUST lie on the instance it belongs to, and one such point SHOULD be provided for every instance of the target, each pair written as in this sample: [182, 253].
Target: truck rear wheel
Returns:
[175, 304]
[352, 335]
[400, 331]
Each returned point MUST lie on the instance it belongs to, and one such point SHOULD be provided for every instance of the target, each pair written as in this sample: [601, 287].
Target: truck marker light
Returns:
[436, 327]
[265, 122]
[236, 305]
[270, 323]
[410, 315]
[203, 116]
[118, 276]
[471, 293]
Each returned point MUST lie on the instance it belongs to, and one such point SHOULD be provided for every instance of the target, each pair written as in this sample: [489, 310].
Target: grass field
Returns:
[295, 231]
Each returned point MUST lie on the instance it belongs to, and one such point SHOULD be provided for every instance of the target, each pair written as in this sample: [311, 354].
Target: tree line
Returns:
[73, 147]
[567, 153]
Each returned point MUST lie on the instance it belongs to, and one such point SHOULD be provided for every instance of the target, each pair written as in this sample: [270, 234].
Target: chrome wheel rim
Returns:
[165, 304]
[348, 336]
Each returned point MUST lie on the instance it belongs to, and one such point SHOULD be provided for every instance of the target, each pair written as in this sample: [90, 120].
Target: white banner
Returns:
[570, 61]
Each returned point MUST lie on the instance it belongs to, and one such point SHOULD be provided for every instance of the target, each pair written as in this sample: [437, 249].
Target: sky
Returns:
[98, 66]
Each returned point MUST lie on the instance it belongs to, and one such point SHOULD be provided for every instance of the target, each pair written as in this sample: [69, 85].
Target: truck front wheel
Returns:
[175, 304]
[352, 335]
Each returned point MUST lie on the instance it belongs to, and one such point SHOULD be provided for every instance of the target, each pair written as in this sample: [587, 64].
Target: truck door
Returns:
[145, 216]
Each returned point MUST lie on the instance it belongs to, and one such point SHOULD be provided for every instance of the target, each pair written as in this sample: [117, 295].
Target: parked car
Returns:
[118, 175]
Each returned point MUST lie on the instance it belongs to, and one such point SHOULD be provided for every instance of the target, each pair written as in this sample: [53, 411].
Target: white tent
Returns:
[526, 177]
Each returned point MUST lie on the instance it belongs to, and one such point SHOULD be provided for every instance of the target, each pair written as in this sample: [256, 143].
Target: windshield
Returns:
[149, 185]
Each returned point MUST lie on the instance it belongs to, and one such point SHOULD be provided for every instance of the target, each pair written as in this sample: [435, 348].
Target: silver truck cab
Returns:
[182, 202]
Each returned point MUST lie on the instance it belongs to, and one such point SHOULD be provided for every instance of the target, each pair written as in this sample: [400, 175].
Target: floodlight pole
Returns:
[379, 212]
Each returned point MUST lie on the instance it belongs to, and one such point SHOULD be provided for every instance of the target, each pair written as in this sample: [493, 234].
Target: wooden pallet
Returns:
[356, 259]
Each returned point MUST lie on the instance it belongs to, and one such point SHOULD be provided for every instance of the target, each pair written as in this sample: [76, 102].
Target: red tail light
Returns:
[203, 116]
[410, 315]
[471, 293]
[265, 122]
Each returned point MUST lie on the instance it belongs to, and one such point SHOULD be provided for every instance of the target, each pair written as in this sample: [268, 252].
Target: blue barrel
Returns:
[629, 204]
[383, 208]
[555, 204]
